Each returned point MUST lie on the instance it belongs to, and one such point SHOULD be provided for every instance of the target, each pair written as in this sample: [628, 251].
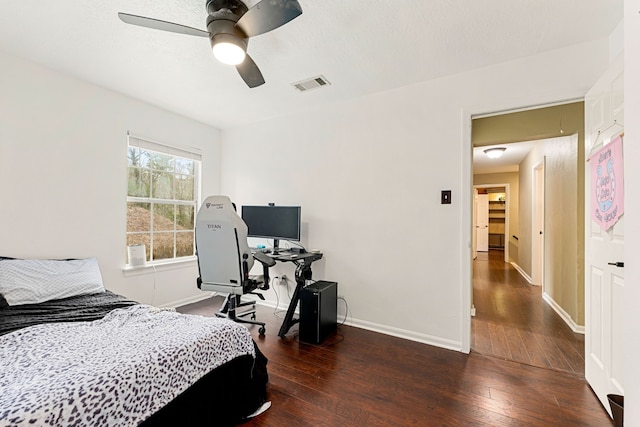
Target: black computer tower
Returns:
[318, 311]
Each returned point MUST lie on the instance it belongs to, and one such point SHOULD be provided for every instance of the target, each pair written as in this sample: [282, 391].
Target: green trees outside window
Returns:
[161, 203]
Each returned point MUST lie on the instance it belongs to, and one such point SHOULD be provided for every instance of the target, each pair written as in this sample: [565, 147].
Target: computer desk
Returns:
[303, 263]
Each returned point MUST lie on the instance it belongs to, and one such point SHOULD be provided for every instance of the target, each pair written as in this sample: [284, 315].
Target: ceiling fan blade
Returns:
[268, 15]
[156, 24]
[250, 72]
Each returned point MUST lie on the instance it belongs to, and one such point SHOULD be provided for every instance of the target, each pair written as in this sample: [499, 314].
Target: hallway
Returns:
[513, 322]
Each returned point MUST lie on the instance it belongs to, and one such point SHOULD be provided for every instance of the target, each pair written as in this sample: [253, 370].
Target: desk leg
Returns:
[303, 273]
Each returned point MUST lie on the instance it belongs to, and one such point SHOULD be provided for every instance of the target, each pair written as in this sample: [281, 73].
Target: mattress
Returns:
[101, 359]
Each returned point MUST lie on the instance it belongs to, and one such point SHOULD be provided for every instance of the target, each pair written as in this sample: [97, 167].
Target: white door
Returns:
[482, 223]
[537, 261]
[474, 243]
[604, 283]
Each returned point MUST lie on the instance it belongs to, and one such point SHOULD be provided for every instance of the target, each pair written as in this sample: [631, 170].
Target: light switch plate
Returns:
[445, 197]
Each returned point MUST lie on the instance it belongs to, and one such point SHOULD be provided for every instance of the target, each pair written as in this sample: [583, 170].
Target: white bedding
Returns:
[116, 371]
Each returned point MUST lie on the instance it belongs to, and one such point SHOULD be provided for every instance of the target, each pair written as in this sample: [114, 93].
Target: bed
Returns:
[73, 353]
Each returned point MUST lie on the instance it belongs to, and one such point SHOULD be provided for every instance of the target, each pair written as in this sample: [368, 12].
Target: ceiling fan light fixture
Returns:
[228, 49]
[230, 24]
[494, 153]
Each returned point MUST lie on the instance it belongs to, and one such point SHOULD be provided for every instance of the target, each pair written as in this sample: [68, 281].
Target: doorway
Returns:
[512, 322]
[491, 213]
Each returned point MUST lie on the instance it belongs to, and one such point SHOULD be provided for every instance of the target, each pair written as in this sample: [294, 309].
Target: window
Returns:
[162, 199]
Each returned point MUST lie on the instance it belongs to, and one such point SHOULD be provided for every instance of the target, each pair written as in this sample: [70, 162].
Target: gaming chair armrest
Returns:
[266, 262]
[264, 259]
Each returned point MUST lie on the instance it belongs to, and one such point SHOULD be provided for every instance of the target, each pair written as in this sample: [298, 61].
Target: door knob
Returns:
[617, 264]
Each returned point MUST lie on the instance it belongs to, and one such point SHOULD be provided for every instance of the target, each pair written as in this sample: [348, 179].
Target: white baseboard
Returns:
[387, 330]
[522, 273]
[271, 304]
[563, 314]
[556, 307]
[185, 301]
[406, 334]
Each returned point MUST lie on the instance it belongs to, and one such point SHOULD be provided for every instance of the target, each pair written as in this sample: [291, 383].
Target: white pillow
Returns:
[31, 281]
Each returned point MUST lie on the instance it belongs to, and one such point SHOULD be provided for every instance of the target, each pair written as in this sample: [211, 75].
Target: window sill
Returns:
[155, 266]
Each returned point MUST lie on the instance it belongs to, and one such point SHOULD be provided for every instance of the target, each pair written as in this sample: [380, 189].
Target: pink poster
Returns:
[607, 189]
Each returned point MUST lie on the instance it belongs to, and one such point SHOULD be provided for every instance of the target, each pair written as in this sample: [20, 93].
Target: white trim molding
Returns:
[395, 332]
[578, 329]
[406, 334]
[155, 266]
[190, 300]
[522, 273]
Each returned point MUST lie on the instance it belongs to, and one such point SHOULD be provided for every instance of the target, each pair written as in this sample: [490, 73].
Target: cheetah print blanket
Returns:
[115, 371]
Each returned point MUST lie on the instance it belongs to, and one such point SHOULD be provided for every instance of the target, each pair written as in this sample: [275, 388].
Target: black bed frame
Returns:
[223, 397]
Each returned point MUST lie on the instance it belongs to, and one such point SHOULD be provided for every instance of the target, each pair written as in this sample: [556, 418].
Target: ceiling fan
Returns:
[230, 24]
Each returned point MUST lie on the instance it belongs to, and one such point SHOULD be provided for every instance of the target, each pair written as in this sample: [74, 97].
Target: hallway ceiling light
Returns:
[494, 153]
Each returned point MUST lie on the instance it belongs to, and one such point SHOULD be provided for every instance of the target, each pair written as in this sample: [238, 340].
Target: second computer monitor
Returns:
[273, 222]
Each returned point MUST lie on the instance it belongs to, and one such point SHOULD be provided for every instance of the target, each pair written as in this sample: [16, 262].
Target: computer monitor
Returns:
[272, 222]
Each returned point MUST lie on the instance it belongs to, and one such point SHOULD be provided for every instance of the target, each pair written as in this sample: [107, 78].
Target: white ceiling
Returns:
[508, 162]
[360, 46]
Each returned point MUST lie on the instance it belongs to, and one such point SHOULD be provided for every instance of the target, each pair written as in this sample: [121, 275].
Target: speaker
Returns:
[318, 311]
[137, 255]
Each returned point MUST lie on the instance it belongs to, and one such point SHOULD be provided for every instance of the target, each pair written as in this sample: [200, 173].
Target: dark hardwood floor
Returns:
[363, 378]
[513, 322]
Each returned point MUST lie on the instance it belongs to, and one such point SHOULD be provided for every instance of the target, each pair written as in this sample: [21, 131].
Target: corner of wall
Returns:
[616, 42]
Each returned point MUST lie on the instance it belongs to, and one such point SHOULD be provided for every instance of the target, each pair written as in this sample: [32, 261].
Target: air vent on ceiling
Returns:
[312, 83]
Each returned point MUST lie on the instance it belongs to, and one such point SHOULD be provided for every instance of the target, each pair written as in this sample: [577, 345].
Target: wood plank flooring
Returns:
[514, 323]
[362, 378]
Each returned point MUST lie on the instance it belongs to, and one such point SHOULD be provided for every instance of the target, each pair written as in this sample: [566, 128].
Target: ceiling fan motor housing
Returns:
[236, 7]
[221, 22]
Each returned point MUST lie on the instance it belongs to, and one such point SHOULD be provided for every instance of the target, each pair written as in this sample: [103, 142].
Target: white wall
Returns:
[632, 211]
[63, 169]
[367, 172]
[368, 175]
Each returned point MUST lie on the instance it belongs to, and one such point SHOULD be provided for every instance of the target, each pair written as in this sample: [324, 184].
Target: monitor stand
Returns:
[275, 251]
